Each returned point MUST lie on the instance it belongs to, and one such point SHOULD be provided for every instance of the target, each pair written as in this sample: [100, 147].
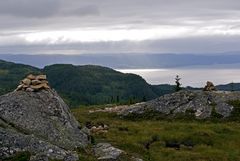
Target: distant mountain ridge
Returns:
[90, 84]
[128, 61]
[84, 85]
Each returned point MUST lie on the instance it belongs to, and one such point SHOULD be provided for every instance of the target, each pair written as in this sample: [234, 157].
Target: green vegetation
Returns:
[11, 74]
[86, 154]
[21, 156]
[178, 84]
[147, 139]
[97, 85]
[235, 114]
[163, 89]
[229, 87]
[85, 85]
[215, 115]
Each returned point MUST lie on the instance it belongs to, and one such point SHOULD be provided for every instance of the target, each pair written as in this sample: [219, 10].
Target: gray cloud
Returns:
[29, 8]
[84, 11]
[119, 12]
[193, 45]
[21, 16]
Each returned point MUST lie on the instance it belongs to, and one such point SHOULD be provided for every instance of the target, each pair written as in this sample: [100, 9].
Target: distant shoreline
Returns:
[194, 77]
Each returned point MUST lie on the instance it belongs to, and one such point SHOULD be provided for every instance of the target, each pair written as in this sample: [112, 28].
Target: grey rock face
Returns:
[106, 152]
[39, 122]
[13, 142]
[199, 102]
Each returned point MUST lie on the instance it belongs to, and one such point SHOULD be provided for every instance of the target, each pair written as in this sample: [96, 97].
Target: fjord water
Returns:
[195, 77]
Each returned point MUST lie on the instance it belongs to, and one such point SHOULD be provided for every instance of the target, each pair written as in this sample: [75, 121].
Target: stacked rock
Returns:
[33, 83]
[209, 87]
[100, 129]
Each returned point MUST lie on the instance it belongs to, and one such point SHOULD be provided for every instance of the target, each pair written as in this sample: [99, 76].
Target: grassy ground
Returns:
[146, 139]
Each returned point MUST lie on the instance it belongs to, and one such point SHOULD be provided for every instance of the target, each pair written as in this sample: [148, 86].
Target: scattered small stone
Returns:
[11, 151]
[198, 113]
[105, 127]
[115, 109]
[50, 150]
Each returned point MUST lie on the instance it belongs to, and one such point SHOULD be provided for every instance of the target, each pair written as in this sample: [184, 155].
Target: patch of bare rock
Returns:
[105, 151]
[199, 103]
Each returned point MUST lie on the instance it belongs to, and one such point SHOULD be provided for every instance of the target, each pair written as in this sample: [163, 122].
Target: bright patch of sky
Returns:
[107, 26]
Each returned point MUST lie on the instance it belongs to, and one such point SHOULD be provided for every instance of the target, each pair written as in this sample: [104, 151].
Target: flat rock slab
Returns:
[199, 103]
[106, 152]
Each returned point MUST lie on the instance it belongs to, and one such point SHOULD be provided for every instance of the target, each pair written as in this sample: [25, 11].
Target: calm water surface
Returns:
[195, 77]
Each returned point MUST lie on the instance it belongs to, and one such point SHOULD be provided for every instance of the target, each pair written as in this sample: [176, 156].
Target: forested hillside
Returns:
[11, 74]
[85, 85]
[97, 85]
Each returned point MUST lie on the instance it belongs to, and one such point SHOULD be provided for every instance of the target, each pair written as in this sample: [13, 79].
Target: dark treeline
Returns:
[85, 85]
[89, 84]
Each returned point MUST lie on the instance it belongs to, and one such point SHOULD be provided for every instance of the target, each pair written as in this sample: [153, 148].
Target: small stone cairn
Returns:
[97, 129]
[33, 83]
[209, 87]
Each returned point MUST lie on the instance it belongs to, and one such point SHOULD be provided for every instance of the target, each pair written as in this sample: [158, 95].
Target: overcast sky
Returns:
[117, 26]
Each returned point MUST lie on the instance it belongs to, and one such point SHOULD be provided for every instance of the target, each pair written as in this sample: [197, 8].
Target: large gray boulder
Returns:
[40, 119]
[199, 103]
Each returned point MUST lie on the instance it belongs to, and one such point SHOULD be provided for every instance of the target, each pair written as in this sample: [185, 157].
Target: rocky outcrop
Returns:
[39, 122]
[201, 104]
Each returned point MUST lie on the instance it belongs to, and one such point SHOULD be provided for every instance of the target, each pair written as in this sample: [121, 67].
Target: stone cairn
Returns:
[33, 83]
[100, 128]
[209, 87]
